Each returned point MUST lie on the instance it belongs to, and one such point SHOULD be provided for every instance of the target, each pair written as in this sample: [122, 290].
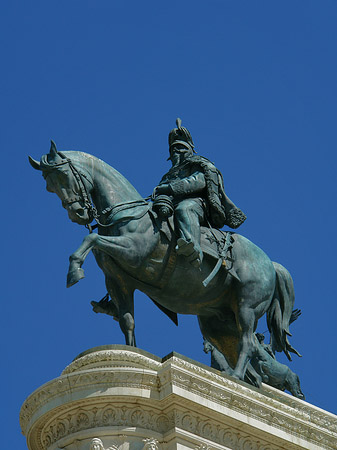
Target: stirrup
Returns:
[187, 249]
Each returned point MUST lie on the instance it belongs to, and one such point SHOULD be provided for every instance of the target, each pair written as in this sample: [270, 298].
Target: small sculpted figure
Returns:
[267, 367]
[150, 444]
[218, 361]
[273, 372]
[105, 306]
[97, 444]
[195, 187]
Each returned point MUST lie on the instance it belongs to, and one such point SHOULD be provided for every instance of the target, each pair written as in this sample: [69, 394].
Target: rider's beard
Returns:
[175, 158]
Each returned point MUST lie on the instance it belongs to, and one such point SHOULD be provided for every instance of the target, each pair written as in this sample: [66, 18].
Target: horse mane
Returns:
[90, 164]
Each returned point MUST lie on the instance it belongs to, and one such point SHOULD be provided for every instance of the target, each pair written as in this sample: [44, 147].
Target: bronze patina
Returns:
[173, 250]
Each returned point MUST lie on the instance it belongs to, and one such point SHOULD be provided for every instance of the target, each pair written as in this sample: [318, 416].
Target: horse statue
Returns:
[136, 249]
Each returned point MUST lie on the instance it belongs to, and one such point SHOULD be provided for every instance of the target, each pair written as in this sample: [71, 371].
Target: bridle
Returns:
[84, 197]
[113, 210]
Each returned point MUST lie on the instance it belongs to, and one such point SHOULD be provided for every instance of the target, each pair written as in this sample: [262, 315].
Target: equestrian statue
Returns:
[171, 247]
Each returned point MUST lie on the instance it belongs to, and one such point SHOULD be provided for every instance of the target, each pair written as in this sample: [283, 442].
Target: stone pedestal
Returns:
[118, 397]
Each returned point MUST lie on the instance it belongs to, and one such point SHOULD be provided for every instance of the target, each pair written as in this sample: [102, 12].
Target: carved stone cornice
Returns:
[119, 357]
[109, 389]
[266, 404]
[93, 382]
[114, 415]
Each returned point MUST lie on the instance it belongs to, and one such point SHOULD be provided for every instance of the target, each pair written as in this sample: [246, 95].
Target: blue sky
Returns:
[255, 83]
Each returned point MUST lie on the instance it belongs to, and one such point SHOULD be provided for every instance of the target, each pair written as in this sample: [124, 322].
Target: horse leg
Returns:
[223, 335]
[119, 247]
[121, 294]
[75, 272]
[127, 324]
[212, 328]
[124, 296]
[247, 348]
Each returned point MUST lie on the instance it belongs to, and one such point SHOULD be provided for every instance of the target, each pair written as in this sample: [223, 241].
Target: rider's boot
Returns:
[191, 251]
[188, 217]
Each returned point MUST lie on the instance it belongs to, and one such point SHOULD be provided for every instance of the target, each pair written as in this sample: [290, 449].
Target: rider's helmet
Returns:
[182, 136]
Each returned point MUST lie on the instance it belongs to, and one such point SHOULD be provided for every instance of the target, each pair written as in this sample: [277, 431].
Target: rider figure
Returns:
[196, 188]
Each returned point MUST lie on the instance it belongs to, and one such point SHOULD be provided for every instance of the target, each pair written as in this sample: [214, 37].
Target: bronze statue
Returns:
[273, 372]
[195, 187]
[263, 365]
[230, 284]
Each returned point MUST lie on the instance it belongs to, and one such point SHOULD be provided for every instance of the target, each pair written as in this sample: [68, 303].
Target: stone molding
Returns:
[98, 417]
[107, 390]
[107, 358]
[264, 404]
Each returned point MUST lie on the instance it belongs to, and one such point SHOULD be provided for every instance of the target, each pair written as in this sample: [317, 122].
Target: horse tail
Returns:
[279, 314]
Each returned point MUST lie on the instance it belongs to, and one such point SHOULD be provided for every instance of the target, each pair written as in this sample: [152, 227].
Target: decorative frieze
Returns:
[117, 358]
[156, 405]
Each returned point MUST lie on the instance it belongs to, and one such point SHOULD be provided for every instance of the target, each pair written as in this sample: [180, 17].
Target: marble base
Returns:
[119, 397]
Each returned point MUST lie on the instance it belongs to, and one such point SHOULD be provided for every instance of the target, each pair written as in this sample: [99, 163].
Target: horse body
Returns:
[134, 253]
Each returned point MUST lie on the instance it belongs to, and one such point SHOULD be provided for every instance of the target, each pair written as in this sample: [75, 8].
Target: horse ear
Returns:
[53, 149]
[34, 164]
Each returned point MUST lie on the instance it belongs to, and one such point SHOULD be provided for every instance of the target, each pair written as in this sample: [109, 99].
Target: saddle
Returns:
[217, 244]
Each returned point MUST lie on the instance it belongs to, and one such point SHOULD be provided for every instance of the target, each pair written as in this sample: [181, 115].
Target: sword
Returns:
[216, 269]
[222, 262]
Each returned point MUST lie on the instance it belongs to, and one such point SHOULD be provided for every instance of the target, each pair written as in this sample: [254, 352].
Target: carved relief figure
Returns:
[203, 447]
[150, 444]
[97, 444]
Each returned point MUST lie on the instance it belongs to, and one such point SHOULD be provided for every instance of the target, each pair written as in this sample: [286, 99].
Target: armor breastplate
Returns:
[177, 173]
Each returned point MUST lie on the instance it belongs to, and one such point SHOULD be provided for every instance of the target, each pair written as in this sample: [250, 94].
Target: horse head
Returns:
[71, 185]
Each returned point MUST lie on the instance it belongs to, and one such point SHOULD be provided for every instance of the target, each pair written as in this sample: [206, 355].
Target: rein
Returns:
[85, 195]
[93, 214]
[79, 178]
[113, 210]
[121, 207]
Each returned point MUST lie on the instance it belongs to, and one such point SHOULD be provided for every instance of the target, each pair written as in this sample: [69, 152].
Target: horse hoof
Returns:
[236, 376]
[74, 276]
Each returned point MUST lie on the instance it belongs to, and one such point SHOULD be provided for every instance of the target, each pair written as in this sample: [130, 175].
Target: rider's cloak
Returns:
[194, 172]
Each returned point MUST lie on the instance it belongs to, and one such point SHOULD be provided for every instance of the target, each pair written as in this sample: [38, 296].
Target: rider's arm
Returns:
[192, 184]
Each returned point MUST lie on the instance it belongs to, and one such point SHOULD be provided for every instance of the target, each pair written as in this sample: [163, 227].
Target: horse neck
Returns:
[109, 186]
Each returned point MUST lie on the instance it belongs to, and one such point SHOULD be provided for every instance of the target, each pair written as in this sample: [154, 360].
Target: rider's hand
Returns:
[162, 189]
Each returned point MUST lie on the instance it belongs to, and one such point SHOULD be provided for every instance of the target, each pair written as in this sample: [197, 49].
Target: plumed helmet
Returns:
[180, 135]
